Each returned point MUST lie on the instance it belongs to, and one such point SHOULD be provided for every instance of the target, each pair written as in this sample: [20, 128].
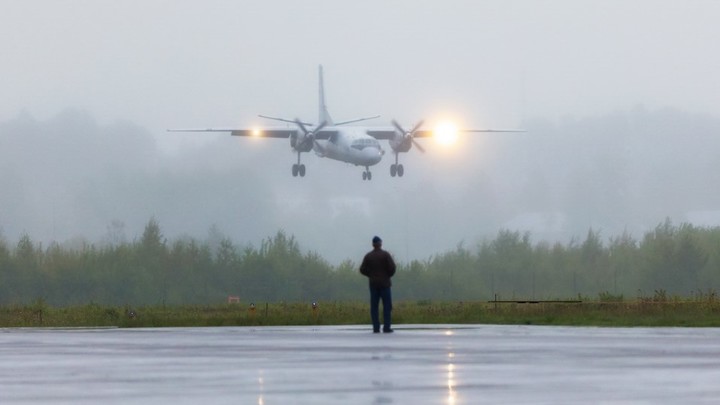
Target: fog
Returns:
[621, 102]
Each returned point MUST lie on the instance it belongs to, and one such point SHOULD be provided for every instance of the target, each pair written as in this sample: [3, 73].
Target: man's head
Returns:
[376, 241]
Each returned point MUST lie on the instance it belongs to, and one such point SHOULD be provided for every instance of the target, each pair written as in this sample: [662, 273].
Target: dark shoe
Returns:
[376, 331]
[388, 331]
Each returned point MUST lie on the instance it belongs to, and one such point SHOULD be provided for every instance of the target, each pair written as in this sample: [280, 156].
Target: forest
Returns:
[669, 261]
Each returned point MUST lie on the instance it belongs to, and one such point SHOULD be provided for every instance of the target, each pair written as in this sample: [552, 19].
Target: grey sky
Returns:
[591, 79]
[491, 63]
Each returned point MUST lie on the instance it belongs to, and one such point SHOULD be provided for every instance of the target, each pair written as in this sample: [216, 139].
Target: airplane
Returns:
[357, 145]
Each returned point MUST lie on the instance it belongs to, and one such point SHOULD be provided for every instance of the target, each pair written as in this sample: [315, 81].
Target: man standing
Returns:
[378, 266]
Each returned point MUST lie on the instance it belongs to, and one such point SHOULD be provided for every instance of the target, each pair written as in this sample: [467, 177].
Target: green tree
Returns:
[623, 257]
[27, 283]
[511, 267]
[595, 265]
[155, 275]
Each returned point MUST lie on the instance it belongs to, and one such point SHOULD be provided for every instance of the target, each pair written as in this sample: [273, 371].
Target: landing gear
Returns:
[397, 169]
[298, 168]
[367, 175]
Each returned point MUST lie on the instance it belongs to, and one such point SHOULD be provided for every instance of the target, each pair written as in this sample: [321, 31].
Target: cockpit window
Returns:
[363, 143]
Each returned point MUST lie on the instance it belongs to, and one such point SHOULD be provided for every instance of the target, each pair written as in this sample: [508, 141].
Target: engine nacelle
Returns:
[301, 143]
[400, 143]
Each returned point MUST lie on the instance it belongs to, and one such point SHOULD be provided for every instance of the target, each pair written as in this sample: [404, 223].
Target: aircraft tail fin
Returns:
[324, 115]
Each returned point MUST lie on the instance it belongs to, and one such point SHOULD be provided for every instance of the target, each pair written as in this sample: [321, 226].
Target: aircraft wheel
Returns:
[400, 170]
[369, 176]
[302, 170]
[393, 170]
[364, 175]
[295, 170]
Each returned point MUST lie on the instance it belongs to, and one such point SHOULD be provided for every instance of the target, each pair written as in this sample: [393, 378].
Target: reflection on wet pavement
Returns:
[442, 364]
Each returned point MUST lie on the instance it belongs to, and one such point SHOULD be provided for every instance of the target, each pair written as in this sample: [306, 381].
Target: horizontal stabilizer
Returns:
[286, 120]
[357, 120]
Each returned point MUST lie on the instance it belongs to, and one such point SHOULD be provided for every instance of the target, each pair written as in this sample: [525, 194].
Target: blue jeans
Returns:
[377, 294]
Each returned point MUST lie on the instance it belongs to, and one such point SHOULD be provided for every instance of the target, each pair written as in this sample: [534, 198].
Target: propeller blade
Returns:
[416, 127]
[398, 127]
[315, 131]
[320, 127]
[301, 125]
[410, 133]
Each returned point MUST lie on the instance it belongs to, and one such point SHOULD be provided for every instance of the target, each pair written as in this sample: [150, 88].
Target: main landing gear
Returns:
[397, 169]
[367, 175]
[298, 168]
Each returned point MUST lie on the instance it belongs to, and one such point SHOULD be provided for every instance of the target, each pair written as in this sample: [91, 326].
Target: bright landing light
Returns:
[445, 133]
[256, 132]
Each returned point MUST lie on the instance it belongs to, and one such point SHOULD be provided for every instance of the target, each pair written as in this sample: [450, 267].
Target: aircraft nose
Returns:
[372, 155]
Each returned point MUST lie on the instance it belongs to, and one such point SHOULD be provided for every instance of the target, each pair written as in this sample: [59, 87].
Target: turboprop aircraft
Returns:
[357, 145]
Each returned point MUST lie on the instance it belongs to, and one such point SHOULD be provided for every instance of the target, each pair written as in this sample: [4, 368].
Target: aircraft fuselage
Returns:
[351, 145]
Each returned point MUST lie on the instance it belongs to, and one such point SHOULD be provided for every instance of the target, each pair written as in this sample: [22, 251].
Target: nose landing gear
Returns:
[367, 175]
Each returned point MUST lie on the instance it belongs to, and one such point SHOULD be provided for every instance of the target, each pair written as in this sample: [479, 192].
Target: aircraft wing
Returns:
[382, 133]
[389, 133]
[269, 132]
[256, 132]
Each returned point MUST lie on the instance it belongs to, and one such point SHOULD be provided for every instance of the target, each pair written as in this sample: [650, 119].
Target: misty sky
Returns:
[150, 65]
[492, 63]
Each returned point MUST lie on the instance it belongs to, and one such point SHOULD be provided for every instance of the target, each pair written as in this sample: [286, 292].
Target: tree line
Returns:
[682, 260]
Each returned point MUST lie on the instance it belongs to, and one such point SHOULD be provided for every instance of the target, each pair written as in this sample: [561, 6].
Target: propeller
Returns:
[310, 135]
[410, 134]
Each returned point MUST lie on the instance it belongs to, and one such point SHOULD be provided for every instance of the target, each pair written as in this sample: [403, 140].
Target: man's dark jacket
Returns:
[378, 266]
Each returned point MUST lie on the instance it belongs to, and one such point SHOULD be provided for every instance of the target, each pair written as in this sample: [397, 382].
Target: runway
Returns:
[418, 364]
